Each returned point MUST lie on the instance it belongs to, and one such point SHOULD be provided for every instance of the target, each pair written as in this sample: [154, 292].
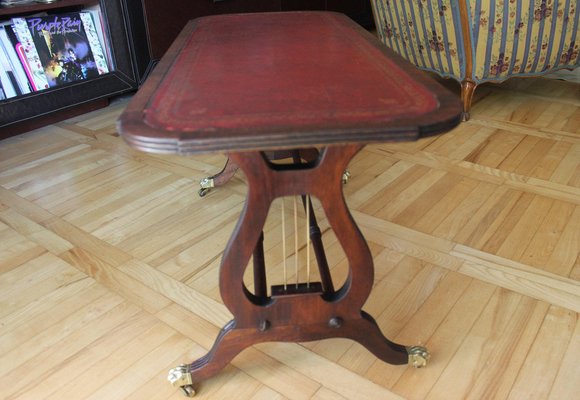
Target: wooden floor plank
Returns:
[116, 280]
[331, 375]
[37, 277]
[377, 185]
[509, 355]
[23, 353]
[519, 154]
[502, 227]
[77, 364]
[536, 154]
[41, 314]
[521, 235]
[16, 250]
[28, 372]
[128, 219]
[24, 173]
[113, 364]
[421, 326]
[545, 355]
[566, 170]
[17, 151]
[495, 148]
[142, 369]
[566, 385]
[548, 234]
[66, 196]
[413, 190]
[489, 335]
[98, 212]
[390, 192]
[548, 164]
[519, 277]
[444, 343]
[415, 210]
[443, 215]
[35, 233]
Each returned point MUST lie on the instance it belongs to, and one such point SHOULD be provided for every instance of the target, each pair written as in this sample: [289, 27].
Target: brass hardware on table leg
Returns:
[418, 356]
[180, 377]
[345, 176]
[206, 184]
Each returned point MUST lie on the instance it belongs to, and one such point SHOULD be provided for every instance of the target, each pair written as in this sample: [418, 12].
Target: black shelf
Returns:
[130, 64]
[37, 7]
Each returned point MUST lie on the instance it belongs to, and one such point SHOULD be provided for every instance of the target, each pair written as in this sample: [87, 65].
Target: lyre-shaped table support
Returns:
[299, 317]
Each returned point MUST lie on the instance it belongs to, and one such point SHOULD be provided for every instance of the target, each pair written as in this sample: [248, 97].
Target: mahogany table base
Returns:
[310, 311]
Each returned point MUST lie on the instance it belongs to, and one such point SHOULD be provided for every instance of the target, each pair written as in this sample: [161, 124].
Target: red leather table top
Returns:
[282, 80]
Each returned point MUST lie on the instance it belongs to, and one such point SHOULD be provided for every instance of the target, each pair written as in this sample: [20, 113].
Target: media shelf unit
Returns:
[123, 22]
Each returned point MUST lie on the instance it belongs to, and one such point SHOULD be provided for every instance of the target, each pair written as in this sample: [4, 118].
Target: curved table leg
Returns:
[228, 171]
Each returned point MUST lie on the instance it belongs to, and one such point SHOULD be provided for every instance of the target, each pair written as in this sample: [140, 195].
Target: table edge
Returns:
[144, 137]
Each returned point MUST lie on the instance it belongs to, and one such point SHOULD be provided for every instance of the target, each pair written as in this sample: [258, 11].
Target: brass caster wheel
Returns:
[345, 176]
[180, 377]
[188, 390]
[205, 186]
[418, 356]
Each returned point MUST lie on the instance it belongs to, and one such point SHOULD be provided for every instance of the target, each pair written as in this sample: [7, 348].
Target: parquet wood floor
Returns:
[109, 262]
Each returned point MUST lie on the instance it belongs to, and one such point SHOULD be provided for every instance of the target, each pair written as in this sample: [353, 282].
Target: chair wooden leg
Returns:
[467, 89]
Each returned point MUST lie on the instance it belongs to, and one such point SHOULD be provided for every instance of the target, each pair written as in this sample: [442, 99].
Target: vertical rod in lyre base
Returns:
[298, 317]
[317, 246]
[260, 285]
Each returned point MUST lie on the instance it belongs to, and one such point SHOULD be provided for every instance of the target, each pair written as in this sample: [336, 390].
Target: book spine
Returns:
[94, 43]
[2, 94]
[95, 11]
[21, 55]
[27, 70]
[7, 67]
[6, 83]
[25, 38]
[14, 61]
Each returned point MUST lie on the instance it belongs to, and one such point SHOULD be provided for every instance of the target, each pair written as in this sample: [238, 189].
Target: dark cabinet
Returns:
[131, 59]
[296, 5]
[166, 19]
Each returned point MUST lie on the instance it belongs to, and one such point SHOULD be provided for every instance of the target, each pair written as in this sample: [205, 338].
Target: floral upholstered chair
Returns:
[476, 41]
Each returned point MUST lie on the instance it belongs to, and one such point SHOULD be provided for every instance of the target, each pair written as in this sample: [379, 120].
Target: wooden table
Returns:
[251, 84]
